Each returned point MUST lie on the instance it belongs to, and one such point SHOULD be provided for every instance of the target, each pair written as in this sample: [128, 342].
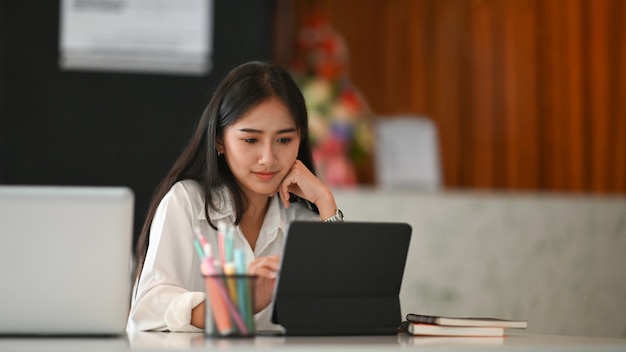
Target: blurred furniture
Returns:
[407, 153]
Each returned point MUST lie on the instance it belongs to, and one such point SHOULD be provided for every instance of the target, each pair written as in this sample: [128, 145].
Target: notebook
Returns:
[341, 278]
[65, 259]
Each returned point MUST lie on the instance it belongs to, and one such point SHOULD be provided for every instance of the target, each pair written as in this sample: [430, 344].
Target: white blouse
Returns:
[171, 284]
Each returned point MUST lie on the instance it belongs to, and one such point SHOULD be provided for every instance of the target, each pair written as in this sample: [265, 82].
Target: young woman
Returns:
[248, 164]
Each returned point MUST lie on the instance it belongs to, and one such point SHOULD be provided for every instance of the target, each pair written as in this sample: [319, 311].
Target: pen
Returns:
[199, 249]
[229, 243]
[229, 272]
[221, 229]
[245, 299]
[203, 242]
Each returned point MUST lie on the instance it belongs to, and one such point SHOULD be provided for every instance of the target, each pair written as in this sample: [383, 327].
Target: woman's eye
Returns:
[284, 140]
[250, 140]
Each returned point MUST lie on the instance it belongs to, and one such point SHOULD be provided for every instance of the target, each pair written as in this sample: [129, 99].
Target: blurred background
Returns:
[525, 94]
[495, 128]
[522, 95]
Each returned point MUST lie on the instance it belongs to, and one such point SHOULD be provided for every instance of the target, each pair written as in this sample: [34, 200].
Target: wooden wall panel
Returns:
[599, 22]
[483, 143]
[444, 90]
[575, 103]
[527, 94]
[554, 102]
[520, 100]
[618, 168]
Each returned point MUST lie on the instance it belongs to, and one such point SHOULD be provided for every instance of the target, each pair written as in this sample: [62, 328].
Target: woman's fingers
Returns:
[301, 182]
[263, 293]
[265, 266]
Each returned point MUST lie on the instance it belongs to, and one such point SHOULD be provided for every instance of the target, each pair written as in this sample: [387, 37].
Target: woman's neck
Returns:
[252, 219]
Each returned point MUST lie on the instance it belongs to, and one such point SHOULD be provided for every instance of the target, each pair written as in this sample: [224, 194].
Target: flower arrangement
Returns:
[340, 123]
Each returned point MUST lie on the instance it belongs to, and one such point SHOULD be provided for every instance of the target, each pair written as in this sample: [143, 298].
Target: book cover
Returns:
[418, 329]
[467, 322]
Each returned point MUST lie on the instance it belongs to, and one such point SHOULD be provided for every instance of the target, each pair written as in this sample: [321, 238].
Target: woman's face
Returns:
[261, 147]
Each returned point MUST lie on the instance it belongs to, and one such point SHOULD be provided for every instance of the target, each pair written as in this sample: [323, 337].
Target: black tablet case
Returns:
[341, 278]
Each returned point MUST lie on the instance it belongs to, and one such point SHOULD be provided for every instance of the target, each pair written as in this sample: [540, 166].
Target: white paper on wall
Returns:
[407, 153]
[156, 36]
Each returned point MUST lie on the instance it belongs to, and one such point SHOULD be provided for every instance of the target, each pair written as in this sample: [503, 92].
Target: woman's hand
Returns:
[303, 183]
[265, 268]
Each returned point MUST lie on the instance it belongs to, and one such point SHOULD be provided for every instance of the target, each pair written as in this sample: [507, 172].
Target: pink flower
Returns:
[338, 115]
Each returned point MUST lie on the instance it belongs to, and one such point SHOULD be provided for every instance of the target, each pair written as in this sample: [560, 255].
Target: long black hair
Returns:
[243, 88]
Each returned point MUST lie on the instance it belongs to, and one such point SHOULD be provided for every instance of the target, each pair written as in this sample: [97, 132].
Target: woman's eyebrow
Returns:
[249, 130]
[252, 130]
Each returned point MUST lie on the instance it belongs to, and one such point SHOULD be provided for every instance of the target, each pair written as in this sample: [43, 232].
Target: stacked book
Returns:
[428, 325]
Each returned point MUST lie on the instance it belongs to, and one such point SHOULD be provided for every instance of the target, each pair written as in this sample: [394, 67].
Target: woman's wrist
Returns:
[326, 205]
[337, 217]
[197, 315]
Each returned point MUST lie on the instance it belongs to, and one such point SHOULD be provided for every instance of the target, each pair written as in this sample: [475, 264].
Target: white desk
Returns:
[152, 341]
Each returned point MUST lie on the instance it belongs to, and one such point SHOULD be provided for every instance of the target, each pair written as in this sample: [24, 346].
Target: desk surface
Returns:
[196, 341]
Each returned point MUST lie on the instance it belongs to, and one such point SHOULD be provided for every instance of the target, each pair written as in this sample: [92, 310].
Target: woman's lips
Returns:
[265, 175]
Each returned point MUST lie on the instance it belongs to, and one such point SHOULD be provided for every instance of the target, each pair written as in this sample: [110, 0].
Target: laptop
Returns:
[65, 259]
[341, 278]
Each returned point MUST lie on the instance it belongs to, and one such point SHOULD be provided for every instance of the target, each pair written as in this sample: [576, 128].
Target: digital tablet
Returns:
[341, 278]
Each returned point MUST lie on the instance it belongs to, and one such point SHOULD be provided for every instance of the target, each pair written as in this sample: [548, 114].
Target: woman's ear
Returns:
[219, 146]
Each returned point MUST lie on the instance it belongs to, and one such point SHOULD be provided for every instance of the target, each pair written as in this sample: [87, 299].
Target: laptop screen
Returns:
[65, 258]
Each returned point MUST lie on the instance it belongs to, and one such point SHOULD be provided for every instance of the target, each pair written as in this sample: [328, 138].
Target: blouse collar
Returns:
[273, 223]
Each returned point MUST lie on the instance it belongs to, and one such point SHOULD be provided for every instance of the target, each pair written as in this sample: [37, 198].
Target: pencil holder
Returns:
[229, 305]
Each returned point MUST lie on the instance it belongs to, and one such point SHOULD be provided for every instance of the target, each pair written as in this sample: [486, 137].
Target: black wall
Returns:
[94, 128]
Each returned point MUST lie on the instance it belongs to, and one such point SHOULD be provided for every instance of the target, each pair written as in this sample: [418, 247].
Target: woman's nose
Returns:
[268, 156]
